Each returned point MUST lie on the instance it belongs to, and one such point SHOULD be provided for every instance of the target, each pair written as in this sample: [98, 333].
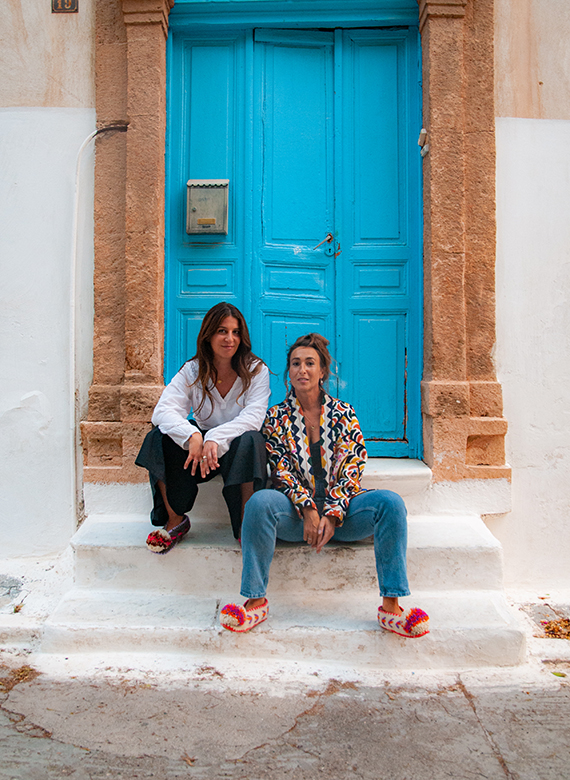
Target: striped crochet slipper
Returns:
[161, 540]
[236, 617]
[412, 623]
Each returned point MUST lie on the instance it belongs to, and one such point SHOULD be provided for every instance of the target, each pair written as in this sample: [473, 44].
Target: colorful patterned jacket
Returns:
[343, 454]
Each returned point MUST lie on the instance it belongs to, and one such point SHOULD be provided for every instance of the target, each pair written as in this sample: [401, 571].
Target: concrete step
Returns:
[469, 629]
[409, 478]
[322, 607]
[404, 476]
[450, 553]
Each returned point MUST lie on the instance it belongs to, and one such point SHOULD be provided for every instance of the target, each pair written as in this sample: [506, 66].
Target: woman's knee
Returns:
[390, 504]
[263, 502]
[174, 455]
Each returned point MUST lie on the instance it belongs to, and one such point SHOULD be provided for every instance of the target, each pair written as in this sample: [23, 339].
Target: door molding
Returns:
[463, 425]
[307, 13]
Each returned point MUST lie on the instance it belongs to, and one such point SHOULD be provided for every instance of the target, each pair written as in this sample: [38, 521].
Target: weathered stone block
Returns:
[138, 402]
[485, 399]
[105, 403]
[445, 399]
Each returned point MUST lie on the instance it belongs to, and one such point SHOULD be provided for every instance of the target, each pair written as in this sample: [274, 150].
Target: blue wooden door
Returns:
[316, 131]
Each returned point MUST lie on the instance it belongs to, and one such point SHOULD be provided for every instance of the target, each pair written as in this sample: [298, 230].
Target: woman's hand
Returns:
[194, 452]
[326, 531]
[311, 522]
[209, 461]
[317, 530]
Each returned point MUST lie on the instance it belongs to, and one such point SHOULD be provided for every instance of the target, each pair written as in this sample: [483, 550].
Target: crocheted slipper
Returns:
[412, 623]
[235, 617]
[161, 540]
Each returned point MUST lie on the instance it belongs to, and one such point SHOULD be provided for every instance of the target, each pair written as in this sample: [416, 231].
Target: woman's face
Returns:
[305, 370]
[226, 339]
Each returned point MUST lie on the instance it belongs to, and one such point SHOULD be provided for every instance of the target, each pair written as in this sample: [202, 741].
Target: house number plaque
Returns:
[64, 6]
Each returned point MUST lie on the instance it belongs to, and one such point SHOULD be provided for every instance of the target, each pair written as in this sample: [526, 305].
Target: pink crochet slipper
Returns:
[412, 623]
[161, 540]
[236, 617]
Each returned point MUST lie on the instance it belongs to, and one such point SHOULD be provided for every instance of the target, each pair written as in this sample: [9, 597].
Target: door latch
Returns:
[328, 239]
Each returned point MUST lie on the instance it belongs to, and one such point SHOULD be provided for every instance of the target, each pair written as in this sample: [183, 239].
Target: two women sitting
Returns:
[316, 455]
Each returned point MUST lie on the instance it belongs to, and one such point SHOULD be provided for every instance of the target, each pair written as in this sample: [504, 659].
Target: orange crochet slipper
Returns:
[411, 623]
[236, 617]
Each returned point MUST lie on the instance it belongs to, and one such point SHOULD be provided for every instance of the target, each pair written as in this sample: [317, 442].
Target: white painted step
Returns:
[468, 629]
[404, 476]
[443, 552]
[322, 607]
[409, 478]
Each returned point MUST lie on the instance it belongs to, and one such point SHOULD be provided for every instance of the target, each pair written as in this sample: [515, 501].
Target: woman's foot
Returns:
[240, 618]
[160, 541]
[173, 522]
[411, 623]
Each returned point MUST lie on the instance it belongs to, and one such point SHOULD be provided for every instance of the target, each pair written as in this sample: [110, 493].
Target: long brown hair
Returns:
[242, 360]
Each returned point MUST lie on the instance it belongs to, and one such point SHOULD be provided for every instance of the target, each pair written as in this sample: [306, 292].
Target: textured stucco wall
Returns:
[46, 59]
[533, 284]
[46, 111]
[532, 59]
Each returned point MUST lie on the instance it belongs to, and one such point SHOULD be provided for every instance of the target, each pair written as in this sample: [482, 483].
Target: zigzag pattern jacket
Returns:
[343, 454]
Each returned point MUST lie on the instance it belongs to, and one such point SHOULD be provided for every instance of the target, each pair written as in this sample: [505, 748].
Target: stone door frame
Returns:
[463, 426]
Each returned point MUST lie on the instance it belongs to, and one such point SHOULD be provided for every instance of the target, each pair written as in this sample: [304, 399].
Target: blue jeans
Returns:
[270, 515]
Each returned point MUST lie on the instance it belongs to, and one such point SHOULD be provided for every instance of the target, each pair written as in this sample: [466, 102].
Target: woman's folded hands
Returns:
[317, 530]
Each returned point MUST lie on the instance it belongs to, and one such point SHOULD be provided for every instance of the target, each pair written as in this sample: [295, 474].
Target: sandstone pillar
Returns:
[461, 400]
[129, 293]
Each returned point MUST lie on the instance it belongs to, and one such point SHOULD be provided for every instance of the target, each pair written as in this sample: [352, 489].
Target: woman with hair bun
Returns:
[226, 387]
[317, 455]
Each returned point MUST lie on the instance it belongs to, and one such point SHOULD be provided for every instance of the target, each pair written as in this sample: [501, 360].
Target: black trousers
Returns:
[245, 461]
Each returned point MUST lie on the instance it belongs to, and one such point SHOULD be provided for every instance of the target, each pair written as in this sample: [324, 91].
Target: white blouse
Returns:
[230, 417]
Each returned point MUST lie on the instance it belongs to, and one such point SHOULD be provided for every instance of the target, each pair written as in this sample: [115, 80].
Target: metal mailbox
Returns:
[207, 206]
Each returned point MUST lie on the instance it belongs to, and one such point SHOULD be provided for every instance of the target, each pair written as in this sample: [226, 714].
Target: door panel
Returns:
[293, 170]
[379, 379]
[296, 140]
[372, 67]
[210, 109]
[317, 132]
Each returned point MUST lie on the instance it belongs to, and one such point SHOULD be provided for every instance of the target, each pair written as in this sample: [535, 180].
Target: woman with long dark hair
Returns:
[317, 456]
[226, 387]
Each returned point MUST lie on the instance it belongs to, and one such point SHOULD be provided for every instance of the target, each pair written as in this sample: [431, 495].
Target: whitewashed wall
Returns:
[533, 345]
[533, 285]
[46, 111]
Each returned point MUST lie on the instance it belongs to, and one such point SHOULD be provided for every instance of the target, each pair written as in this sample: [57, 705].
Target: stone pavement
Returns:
[93, 721]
